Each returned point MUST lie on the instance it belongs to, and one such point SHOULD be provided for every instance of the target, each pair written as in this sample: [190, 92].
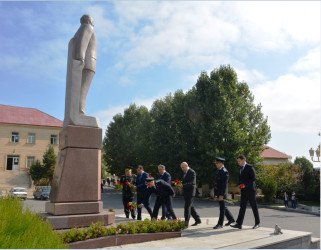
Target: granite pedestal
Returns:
[75, 193]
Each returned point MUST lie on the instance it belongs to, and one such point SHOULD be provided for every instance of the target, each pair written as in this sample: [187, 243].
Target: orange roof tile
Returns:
[273, 153]
[27, 116]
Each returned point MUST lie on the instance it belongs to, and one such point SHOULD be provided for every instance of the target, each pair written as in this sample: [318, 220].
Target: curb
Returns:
[289, 210]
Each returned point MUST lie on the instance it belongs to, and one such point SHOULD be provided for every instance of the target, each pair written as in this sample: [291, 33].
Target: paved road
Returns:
[269, 217]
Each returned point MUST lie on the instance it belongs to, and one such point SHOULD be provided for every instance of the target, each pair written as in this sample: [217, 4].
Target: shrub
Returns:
[21, 228]
[268, 187]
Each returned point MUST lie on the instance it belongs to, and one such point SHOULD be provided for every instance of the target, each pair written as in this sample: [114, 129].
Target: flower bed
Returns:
[97, 231]
[122, 239]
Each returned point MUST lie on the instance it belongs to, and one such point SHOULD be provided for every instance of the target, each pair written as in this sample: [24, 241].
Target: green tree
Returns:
[49, 162]
[36, 171]
[230, 123]
[306, 177]
[126, 141]
[217, 117]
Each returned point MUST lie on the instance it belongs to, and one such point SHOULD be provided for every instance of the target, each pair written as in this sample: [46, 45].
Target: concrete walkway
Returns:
[203, 236]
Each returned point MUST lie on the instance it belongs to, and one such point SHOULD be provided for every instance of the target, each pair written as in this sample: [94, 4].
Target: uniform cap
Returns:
[149, 179]
[219, 159]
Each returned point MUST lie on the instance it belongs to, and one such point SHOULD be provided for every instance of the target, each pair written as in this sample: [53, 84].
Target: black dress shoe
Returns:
[186, 224]
[196, 223]
[218, 226]
[236, 226]
[256, 226]
[229, 222]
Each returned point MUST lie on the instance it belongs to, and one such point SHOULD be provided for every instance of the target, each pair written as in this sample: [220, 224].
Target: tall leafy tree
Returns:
[217, 117]
[306, 176]
[36, 171]
[126, 141]
[230, 123]
[49, 162]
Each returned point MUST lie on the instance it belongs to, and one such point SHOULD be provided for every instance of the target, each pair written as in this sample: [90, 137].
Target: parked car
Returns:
[18, 192]
[42, 193]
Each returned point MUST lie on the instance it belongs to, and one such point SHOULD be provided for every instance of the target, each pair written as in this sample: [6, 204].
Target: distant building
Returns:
[25, 134]
[273, 157]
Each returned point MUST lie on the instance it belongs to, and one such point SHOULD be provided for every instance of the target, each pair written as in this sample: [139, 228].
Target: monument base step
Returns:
[73, 208]
[79, 220]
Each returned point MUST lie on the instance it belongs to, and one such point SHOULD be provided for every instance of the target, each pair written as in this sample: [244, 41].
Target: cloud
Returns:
[185, 34]
[106, 116]
[311, 62]
[292, 103]
[250, 76]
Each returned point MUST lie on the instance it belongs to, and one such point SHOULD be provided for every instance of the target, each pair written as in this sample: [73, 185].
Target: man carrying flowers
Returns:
[128, 182]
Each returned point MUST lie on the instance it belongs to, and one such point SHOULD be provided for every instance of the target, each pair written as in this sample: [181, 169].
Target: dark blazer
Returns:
[162, 189]
[189, 183]
[247, 177]
[140, 184]
[166, 177]
[221, 187]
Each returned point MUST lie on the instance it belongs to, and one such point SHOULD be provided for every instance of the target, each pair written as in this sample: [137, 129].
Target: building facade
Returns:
[272, 156]
[25, 134]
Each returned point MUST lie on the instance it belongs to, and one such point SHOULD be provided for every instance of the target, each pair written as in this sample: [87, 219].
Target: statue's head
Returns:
[86, 19]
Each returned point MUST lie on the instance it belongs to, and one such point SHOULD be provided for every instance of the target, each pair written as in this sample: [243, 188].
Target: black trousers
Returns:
[165, 213]
[127, 199]
[167, 201]
[224, 211]
[145, 200]
[248, 195]
[190, 210]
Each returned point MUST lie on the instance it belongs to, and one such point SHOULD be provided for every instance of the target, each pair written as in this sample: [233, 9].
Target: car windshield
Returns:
[19, 190]
[46, 190]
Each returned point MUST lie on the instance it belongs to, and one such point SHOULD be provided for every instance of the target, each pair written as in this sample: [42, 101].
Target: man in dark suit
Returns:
[221, 190]
[189, 189]
[163, 175]
[164, 193]
[248, 192]
[143, 196]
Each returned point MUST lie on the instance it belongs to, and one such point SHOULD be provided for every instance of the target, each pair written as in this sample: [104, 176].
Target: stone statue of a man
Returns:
[82, 54]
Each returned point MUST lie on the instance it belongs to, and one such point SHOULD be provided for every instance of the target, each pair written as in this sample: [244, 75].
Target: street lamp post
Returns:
[317, 152]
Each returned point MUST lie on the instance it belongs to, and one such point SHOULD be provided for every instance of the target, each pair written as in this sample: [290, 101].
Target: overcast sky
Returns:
[147, 49]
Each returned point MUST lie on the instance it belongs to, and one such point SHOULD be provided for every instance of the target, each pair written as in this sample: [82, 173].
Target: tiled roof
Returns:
[273, 153]
[27, 116]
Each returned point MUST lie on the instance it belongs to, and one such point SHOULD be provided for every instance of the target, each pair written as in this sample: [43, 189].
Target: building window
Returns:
[30, 161]
[15, 137]
[53, 139]
[31, 138]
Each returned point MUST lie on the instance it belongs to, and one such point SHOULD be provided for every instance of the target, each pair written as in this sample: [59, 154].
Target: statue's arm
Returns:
[82, 41]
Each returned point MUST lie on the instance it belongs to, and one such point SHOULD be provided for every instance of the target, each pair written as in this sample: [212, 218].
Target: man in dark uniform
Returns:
[248, 192]
[164, 193]
[221, 188]
[163, 175]
[189, 189]
[143, 196]
[128, 180]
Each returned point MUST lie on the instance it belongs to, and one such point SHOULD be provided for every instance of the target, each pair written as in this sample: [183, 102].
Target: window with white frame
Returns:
[30, 161]
[31, 138]
[15, 137]
[53, 139]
